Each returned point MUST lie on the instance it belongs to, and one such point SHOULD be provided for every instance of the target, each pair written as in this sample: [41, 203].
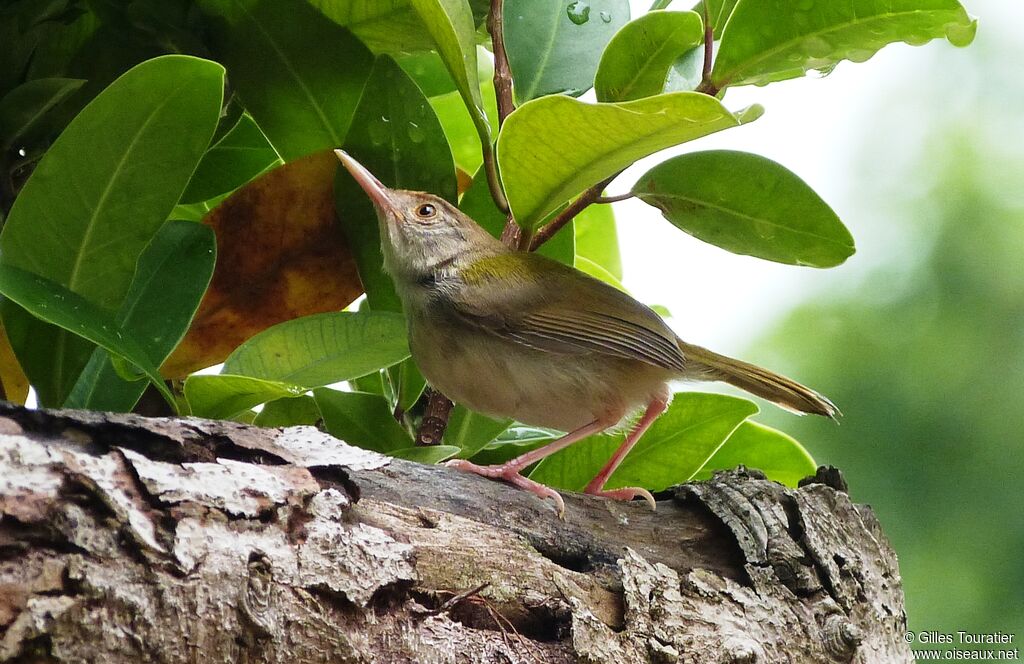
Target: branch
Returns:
[511, 234]
[300, 548]
[707, 86]
[569, 213]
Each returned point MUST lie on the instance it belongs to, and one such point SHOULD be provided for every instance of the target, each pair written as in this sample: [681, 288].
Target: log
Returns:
[133, 539]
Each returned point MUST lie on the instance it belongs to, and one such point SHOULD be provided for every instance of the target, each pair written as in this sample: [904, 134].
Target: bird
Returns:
[513, 334]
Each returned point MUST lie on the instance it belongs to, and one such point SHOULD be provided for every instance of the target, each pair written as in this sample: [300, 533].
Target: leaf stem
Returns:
[589, 196]
[707, 86]
[511, 235]
[604, 200]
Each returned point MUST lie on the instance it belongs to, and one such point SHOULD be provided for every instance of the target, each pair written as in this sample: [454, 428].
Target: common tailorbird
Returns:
[516, 335]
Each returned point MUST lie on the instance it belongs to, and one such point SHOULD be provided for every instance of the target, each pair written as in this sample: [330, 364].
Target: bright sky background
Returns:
[810, 126]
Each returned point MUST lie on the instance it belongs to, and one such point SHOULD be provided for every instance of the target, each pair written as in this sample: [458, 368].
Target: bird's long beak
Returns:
[373, 187]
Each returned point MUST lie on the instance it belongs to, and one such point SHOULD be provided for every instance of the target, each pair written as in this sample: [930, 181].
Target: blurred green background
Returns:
[924, 349]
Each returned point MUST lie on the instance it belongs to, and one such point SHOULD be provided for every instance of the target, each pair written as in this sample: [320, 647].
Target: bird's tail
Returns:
[780, 390]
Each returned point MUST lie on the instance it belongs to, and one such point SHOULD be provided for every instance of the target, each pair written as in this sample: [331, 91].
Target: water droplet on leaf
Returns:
[606, 17]
[579, 12]
[416, 134]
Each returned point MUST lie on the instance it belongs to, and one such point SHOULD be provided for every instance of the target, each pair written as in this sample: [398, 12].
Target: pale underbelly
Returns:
[506, 379]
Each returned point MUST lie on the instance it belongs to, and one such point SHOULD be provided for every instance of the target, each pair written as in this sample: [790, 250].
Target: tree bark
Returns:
[131, 539]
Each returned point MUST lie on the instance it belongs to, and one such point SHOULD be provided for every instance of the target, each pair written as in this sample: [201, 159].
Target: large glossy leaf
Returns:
[223, 396]
[242, 154]
[718, 13]
[289, 412]
[749, 205]
[597, 239]
[553, 148]
[450, 24]
[172, 276]
[754, 445]
[429, 454]
[773, 41]
[298, 73]
[361, 419]
[280, 255]
[24, 109]
[55, 304]
[457, 121]
[676, 446]
[388, 26]
[80, 219]
[398, 138]
[554, 46]
[469, 432]
[323, 348]
[638, 58]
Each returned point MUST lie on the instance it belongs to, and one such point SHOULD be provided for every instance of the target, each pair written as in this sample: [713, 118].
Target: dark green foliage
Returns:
[101, 287]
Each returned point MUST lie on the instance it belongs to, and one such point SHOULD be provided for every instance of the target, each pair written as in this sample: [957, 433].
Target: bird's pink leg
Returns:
[511, 469]
[596, 486]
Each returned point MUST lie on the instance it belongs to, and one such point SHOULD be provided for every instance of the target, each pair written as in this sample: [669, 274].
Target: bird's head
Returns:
[419, 231]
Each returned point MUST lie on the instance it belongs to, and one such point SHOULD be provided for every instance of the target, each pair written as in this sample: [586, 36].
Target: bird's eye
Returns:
[426, 211]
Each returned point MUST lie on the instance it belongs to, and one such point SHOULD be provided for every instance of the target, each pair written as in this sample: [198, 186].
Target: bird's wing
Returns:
[543, 304]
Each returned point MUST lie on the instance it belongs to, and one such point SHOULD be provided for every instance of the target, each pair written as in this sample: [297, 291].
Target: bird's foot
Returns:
[625, 493]
[510, 473]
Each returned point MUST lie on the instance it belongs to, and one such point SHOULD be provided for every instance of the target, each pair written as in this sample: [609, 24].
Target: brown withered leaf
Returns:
[12, 377]
[280, 254]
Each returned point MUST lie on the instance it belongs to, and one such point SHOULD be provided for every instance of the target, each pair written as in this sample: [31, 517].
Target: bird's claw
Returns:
[510, 473]
[625, 493]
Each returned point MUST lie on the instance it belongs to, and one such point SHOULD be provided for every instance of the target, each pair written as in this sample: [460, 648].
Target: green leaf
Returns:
[298, 73]
[241, 155]
[478, 203]
[748, 205]
[429, 454]
[772, 41]
[754, 445]
[676, 446]
[170, 280]
[638, 58]
[450, 24]
[361, 419]
[553, 148]
[288, 412]
[458, 125]
[396, 136]
[224, 396]
[554, 46]
[385, 26]
[597, 239]
[81, 220]
[322, 349]
[719, 12]
[52, 303]
[470, 432]
[411, 384]
[588, 266]
[25, 108]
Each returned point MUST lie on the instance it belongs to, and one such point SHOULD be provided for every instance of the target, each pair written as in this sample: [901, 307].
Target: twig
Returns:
[502, 72]
[604, 200]
[511, 235]
[707, 86]
[435, 419]
[565, 216]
